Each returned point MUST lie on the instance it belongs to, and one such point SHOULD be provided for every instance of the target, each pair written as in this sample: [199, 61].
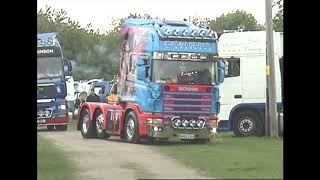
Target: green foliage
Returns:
[278, 19]
[52, 162]
[232, 157]
[85, 46]
[235, 20]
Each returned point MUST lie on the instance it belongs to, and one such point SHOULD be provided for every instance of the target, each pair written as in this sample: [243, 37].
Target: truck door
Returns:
[231, 88]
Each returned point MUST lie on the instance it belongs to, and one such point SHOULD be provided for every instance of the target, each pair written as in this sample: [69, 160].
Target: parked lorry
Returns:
[51, 83]
[168, 85]
[243, 93]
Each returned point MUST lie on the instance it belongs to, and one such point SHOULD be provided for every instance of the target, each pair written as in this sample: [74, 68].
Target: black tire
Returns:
[62, 127]
[247, 123]
[100, 132]
[50, 127]
[132, 135]
[89, 131]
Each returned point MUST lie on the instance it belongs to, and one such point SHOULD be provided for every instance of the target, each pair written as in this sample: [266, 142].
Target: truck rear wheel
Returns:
[62, 127]
[100, 131]
[131, 128]
[246, 123]
[87, 127]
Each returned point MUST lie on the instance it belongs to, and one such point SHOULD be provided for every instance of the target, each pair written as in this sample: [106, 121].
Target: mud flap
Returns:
[113, 120]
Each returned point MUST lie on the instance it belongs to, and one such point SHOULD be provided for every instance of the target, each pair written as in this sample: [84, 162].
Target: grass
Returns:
[72, 124]
[232, 157]
[52, 163]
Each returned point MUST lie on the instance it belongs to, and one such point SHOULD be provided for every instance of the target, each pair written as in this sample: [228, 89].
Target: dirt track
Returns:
[114, 159]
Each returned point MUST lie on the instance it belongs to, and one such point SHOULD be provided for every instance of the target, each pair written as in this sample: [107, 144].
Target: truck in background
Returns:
[51, 83]
[168, 85]
[243, 93]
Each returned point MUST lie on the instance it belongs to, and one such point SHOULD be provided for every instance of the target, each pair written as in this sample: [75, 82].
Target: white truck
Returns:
[243, 93]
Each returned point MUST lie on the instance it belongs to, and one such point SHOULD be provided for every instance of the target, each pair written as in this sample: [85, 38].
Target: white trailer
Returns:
[243, 93]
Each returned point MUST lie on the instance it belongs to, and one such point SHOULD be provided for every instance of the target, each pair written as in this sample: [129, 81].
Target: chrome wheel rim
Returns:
[130, 128]
[99, 123]
[246, 125]
[85, 123]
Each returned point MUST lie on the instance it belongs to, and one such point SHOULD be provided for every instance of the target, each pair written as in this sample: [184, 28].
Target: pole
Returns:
[271, 85]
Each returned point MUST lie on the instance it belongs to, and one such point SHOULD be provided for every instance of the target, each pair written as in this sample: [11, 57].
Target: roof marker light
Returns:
[202, 32]
[185, 32]
[176, 32]
[167, 32]
[193, 33]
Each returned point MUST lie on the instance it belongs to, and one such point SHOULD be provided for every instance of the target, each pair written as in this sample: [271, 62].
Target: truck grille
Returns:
[182, 102]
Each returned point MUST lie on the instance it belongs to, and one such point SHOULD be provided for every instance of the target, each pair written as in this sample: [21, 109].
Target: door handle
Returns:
[237, 96]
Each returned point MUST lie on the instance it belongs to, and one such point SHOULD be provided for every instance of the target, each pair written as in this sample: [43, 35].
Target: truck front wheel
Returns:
[87, 127]
[101, 132]
[131, 128]
[246, 123]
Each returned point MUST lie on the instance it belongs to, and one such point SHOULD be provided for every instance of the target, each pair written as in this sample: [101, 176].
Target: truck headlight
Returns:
[59, 89]
[213, 130]
[62, 107]
[40, 113]
[47, 113]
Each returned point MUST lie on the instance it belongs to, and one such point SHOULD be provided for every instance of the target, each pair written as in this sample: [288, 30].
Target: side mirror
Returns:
[142, 70]
[69, 66]
[221, 69]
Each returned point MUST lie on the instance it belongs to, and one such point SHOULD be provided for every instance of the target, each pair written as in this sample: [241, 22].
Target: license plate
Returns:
[186, 136]
[41, 121]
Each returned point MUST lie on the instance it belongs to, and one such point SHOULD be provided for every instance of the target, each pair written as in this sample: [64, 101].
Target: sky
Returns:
[101, 12]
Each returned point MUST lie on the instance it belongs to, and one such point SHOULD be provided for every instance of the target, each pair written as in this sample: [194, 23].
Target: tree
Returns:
[235, 20]
[84, 45]
[278, 19]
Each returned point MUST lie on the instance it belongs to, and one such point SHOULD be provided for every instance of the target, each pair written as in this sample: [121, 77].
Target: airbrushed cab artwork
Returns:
[168, 85]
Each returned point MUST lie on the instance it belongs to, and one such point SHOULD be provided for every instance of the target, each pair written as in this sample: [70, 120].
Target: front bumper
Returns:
[56, 117]
[53, 121]
[170, 133]
[173, 134]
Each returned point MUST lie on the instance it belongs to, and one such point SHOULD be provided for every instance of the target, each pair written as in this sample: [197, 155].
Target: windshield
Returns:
[184, 72]
[49, 67]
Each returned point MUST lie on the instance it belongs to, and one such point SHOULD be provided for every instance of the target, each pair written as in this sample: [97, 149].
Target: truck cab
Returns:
[51, 83]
